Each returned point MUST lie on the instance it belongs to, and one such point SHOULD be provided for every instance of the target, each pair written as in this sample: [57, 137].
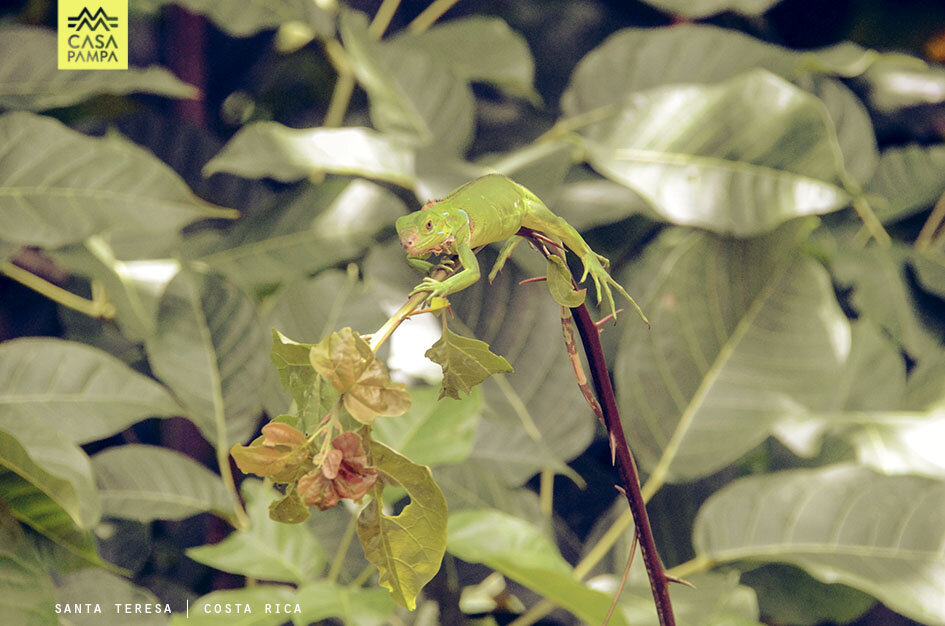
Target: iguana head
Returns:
[426, 230]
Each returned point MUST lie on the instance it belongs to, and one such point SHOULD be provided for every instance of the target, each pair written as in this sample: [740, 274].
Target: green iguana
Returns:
[486, 210]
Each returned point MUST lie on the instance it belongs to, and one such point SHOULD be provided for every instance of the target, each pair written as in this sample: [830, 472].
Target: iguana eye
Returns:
[428, 225]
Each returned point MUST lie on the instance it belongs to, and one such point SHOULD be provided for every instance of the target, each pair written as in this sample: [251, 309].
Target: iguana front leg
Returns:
[468, 276]
[419, 263]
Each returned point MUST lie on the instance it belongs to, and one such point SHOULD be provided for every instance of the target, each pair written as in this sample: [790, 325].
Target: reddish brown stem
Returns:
[626, 467]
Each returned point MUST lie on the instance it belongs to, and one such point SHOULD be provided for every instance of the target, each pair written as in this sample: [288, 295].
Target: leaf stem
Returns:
[430, 15]
[927, 234]
[226, 474]
[97, 308]
[872, 223]
[342, 552]
[382, 18]
[363, 576]
[413, 302]
[546, 493]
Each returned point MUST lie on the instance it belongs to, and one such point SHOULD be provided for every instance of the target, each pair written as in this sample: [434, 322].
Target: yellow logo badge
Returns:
[93, 34]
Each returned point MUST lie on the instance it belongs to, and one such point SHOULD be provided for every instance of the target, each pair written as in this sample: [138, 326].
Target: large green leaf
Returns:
[846, 524]
[210, 350]
[413, 94]
[82, 393]
[317, 229]
[267, 550]
[269, 149]
[406, 548]
[26, 590]
[704, 8]
[909, 179]
[740, 157]
[480, 49]
[53, 465]
[47, 483]
[98, 587]
[745, 333]
[526, 555]
[480, 485]
[245, 19]
[58, 186]
[354, 606]
[432, 431]
[29, 78]
[634, 60]
[146, 483]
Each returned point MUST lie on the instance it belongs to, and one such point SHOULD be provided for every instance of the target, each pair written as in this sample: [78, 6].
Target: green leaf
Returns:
[780, 586]
[406, 548]
[413, 95]
[881, 293]
[210, 350]
[242, 607]
[479, 49]
[896, 81]
[317, 229]
[526, 555]
[26, 590]
[745, 334]
[58, 186]
[716, 600]
[740, 157]
[841, 524]
[269, 149]
[322, 600]
[82, 393]
[705, 8]
[909, 179]
[314, 396]
[97, 586]
[248, 19]
[346, 360]
[480, 485]
[47, 483]
[30, 78]
[586, 203]
[560, 286]
[133, 287]
[433, 431]
[289, 509]
[466, 363]
[930, 272]
[146, 483]
[268, 550]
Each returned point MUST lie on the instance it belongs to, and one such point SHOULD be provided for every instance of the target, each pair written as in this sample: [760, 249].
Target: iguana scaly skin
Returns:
[490, 209]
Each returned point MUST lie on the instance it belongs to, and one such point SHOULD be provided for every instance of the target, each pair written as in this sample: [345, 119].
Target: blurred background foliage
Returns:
[787, 407]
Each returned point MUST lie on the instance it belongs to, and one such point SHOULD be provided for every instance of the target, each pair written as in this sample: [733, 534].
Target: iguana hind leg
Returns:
[504, 255]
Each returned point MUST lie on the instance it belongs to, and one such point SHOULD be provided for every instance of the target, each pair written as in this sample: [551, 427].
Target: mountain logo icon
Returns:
[92, 22]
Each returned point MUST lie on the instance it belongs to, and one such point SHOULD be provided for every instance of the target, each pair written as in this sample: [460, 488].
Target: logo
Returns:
[93, 34]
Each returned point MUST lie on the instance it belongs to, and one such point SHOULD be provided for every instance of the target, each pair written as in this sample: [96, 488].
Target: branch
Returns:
[626, 467]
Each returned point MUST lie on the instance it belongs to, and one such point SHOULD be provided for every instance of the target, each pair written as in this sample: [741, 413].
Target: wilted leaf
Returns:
[267, 550]
[406, 548]
[466, 363]
[846, 524]
[58, 186]
[82, 393]
[146, 483]
[271, 150]
[30, 79]
[524, 554]
[346, 360]
[560, 285]
[344, 473]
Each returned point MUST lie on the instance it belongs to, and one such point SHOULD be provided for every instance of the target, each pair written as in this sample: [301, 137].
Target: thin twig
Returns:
[98, 308]
[927, 234]
[430, 15]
